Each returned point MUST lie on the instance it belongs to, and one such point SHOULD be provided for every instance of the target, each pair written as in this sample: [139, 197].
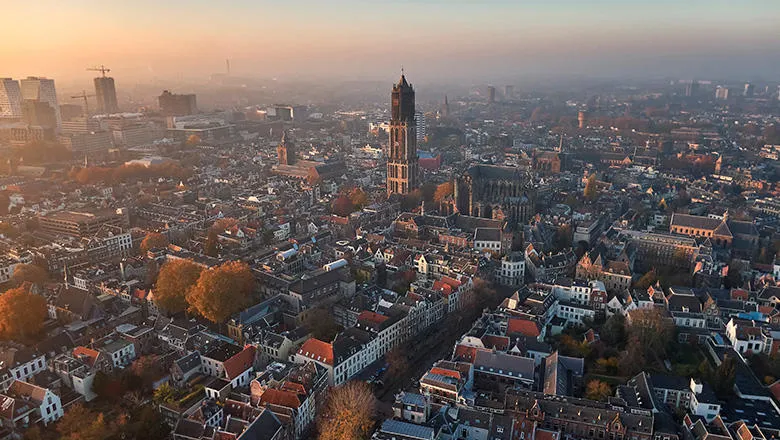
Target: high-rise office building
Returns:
[748, 91]
[422, 131]
[39, 113]
[721, 92]
[509, 91]
[177, 105]
[10, 99]
[105, 93]
[402, 162]
[491, 94]
[692, 88]
[42, 89]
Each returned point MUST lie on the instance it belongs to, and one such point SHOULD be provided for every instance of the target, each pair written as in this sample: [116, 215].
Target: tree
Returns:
[321, 324]
[222, 291]
[193, 140]
[734, 277]
[147, 424]
[80, 423]
[598, 390]
[398, 365]
[563, 237]
[147, 369]
[223, 224]
[29, 272]
[175, 279]
[342, 206]
[358, 197]
[108, 386]
[21, 315]
[153, 240]
[428, 191]
[647, 280]
[590, 187]
[164, 394]
[652, 330]
[613, 332]
[349, 413]
[211, 246]
[442, 191]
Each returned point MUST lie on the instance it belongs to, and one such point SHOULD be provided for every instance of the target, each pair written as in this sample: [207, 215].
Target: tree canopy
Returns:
[222, 291]
[442, 191]
[598, 390]
[349, 413]
[590, 188]
[153, 240]
[29, 272]
[175, 279]
[21, 315]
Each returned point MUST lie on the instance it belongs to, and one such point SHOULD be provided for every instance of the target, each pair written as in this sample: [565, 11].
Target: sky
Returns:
[354, 39]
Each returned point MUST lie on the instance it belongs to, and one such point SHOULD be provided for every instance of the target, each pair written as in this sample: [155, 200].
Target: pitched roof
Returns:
[317, 350]
[522, 326]
[695, 221]
[89, 355]
[240, 362]
[273, 396]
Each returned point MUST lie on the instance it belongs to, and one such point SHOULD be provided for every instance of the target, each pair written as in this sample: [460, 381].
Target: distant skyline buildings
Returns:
[458, 39]
[105, 93]
[42, 89]
[10, 99]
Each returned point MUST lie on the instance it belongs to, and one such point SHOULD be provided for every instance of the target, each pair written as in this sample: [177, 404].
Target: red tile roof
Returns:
[523, 327]
[317, 350]
[279, 397]
[89, 354]
[465, 353]
[240, 362]
[443, 287]
[446, 372]
[496, 342]
[374, 318]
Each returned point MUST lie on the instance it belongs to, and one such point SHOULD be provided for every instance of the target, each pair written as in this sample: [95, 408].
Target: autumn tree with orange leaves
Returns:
[349, 413]
[153, 240]
[175, 279]
[222, 291]
[21, 315]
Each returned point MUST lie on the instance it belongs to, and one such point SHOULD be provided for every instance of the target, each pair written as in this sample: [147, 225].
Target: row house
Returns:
[448, 382]
[230, 362]
[346, 356]
[747, 337]
[18, 362]
[24, 404]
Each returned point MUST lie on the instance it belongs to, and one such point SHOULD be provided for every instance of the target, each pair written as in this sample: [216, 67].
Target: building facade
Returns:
[496, 192]
[402, 162]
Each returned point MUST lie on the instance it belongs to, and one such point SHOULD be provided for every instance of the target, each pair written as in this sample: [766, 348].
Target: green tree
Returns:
[175, 279]
[613, 332]
[164, 394]
[321, 324]
[653, 331]
[222, 291]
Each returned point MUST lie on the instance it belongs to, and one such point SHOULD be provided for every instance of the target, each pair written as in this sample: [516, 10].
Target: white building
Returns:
[19, 364]
[47, 405]
[10, 99]
[42, 89]
[512, 270]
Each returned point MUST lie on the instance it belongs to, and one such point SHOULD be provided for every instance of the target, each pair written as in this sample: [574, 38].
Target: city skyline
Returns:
[352, 39]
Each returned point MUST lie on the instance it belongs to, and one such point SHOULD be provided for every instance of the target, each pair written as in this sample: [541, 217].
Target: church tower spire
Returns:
[402, 160]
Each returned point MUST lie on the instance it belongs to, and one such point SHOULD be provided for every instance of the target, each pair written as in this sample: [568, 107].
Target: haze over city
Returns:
[458, 40]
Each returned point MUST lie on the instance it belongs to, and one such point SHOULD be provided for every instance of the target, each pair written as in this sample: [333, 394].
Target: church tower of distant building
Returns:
[285, 151]
[402, 162]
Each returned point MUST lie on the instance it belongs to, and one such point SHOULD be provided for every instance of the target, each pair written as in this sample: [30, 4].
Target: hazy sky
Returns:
[463, 39]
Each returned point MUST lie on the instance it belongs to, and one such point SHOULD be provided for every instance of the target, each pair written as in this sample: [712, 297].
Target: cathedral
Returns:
[501, 193]
[403, 172]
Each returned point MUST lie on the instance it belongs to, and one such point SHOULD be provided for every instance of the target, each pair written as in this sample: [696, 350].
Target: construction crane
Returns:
[84, 96]
[102, 69]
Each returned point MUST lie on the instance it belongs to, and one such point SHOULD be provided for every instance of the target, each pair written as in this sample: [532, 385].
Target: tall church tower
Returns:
[285, 151]
[402, 161]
